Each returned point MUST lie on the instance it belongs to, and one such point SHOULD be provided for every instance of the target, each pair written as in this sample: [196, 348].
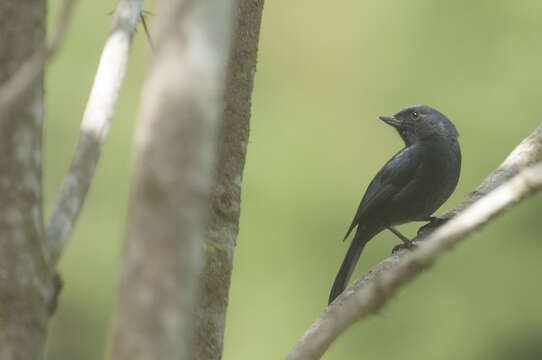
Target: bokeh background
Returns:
[325, 71]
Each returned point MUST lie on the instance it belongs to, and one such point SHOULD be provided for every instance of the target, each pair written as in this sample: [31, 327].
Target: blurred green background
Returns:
[325, 71]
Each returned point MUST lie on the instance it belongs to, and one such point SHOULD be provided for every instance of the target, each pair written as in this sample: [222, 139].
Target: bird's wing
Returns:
[397, 173]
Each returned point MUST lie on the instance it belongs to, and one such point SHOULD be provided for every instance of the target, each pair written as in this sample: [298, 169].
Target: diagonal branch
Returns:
[94, 128]
[517, 178]
[29, 71]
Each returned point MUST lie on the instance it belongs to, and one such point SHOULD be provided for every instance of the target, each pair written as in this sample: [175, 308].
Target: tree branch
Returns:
[29, 71]
[518, 177]
[94, 128]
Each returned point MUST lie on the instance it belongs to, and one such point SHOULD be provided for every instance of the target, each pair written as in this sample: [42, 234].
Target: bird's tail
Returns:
[363, 235]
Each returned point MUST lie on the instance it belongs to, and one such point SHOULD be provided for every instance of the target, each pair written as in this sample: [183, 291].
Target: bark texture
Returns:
[25, 285]
[175, 150]
[32, 68]
[226, 194]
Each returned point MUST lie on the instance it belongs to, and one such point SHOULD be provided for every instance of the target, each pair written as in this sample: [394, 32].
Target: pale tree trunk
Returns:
[175, 149]
[226, 196]
[25, 284]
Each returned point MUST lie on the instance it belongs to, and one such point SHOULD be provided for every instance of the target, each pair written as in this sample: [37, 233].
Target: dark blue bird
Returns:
[411, 186]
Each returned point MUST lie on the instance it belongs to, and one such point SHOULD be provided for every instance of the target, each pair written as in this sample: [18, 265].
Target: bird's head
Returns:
[418, 122]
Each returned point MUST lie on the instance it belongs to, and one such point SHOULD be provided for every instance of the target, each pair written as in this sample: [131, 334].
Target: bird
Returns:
[411, 186]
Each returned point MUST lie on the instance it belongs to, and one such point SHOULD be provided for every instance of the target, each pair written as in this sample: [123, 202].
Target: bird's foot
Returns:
[434, 223]
[407, 245]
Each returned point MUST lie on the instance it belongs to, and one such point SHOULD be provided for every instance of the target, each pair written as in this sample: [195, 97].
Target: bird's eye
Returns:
[415, 115]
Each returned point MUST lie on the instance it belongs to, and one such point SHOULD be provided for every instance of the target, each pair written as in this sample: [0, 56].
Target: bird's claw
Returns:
[409, 246]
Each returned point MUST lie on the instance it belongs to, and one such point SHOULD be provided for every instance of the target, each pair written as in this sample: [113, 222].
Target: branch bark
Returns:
[24, 282]
[175, 149]
[226, 194]
[518, 177]
[94, 128]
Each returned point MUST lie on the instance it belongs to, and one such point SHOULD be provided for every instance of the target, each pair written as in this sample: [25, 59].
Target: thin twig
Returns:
[94, 128]
[62, 25]
[151, 44]
[29, 71]
[504, 187]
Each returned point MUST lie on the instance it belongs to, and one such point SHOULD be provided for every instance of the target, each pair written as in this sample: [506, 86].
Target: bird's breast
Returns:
[440, 172]
[434, 181]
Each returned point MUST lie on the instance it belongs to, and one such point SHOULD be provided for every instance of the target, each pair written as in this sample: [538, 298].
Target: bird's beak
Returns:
[390, 120]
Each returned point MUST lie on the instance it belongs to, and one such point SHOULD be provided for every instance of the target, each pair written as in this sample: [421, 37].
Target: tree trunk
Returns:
[226, 196]
[175, 151]
[25, 285]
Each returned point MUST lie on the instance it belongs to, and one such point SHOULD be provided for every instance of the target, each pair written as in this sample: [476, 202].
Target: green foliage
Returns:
[325, 72]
